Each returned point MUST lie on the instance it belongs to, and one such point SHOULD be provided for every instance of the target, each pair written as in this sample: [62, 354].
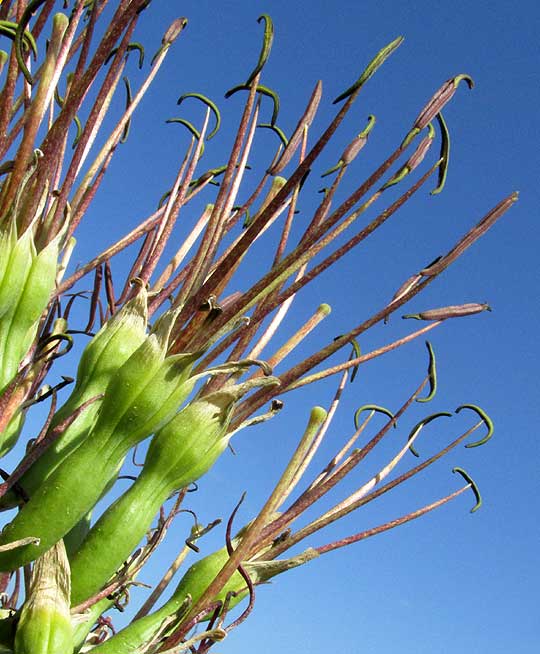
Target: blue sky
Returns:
[452, 580]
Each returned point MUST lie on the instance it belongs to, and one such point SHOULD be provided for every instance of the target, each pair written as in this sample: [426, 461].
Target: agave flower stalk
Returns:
[179, 383]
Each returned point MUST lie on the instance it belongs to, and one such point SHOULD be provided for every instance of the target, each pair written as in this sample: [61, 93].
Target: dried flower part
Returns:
[453, 311]
[45, 623]
[436, 104]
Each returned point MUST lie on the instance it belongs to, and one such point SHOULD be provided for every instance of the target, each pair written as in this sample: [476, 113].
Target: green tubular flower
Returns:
[142, 395]
[181, 452]
[45, 623]
[104, 355]
[19, 325]
[197, 578]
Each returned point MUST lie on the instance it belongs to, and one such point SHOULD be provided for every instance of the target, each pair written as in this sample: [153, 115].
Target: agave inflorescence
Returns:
[178, 382]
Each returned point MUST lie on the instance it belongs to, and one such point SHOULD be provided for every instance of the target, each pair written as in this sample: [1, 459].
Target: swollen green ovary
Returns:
[57, 505]
[114, 537]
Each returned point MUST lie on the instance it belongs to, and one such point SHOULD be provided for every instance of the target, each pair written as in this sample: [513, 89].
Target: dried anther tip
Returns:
[452, 311]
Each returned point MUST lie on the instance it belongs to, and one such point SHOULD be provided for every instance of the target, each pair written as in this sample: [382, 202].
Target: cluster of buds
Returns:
[177, 359]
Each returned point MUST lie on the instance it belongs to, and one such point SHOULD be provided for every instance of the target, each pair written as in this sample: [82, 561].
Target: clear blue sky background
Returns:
[451, 581]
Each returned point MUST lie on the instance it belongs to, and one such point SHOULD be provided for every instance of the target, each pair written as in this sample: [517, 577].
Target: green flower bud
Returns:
[181, 452]
[104, 355]
[45, 623]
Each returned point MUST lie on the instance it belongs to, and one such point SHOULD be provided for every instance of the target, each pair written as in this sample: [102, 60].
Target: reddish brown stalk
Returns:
[217, 221]
[346, 247]
[293, 374]
[95, 118]
[337, 512]
[349, 540]
[352, 363]
[253, 230]
[142, 229]
[175, 203]
[313, 494]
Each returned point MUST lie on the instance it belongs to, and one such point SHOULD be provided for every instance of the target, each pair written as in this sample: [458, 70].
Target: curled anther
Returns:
[372, 407]
[487, 421]
[474, 487]
[131, 46]
[54, 340]
[371, 68]
[281, 134]
[211, 105]
[194, 131]
[19, 34]
[416, 429]
[268, 39]
[432, 375]
[264, 90]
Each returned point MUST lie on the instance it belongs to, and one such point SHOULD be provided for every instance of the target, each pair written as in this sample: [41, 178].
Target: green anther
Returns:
[445, 154]
[129, 99]
[420, 425]
[195, 132]
[356, 352]
[371, 124]
[467, 78]
[9, 29]
[130, 48]
[78, 127]
[211, 105]
[487, 421]
[19, 35]
[432, 374]
[260, 89]
[284, 140]
[371, 69]
[266, 46]
[372, 407]
[474, 487]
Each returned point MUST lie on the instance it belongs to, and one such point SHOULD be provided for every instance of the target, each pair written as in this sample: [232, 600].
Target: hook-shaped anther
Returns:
[211, 105]
[284, 140]
[268, 39]
[418, 427]
[372, 407]
[432, 375]
[474, 487]
[131, 46]
[260, 89]
[195, 132]
[20, 34]
[487, 421]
